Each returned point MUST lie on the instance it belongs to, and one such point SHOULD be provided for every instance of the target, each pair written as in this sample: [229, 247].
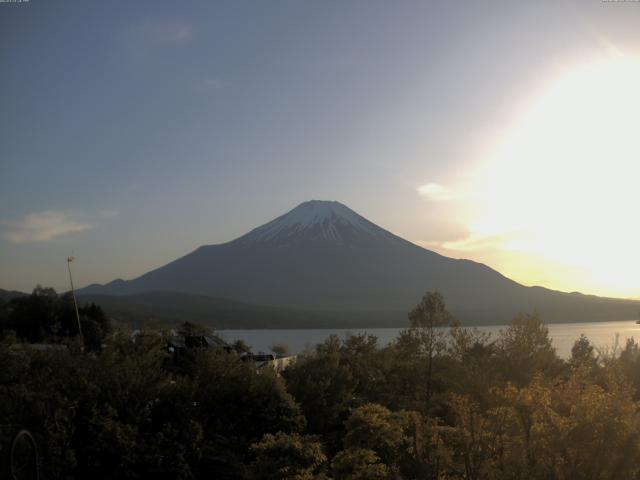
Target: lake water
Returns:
[603, 335]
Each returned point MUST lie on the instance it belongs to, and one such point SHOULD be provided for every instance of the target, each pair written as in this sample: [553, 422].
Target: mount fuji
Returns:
[325, 260]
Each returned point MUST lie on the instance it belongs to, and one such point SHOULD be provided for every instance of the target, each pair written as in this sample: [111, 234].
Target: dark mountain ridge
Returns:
[322, 256]
[7, 295]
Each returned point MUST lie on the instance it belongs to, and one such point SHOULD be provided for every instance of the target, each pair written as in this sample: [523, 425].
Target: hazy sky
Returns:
[506, 132]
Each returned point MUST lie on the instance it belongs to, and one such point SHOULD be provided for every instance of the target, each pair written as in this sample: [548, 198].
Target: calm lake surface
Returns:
[603, 335]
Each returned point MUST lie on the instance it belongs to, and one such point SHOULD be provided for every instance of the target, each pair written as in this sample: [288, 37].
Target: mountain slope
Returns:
[323, 256]
[174, 307]
[7, 295]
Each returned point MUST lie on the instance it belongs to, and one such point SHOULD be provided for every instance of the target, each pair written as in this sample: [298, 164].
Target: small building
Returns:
[278, 362]
[180, 344]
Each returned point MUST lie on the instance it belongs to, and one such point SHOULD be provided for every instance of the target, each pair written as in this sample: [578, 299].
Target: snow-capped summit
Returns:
[316, 220]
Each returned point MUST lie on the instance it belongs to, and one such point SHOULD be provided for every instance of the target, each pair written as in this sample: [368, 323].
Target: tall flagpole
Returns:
[75, 303]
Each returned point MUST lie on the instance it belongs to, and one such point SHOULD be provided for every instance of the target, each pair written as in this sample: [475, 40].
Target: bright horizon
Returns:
[551, 192]
[501, 133]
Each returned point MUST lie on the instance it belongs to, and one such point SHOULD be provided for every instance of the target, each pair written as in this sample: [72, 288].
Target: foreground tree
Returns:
[374, 427]
[583, 354]
[358, 464]
[427, 320]
[287, 457]
[236, 405]
[525, 349]
[324, 385]
[35, 316]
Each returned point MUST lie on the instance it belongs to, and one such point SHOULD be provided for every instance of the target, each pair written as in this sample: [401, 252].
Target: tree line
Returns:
[440, 402]
[45, 316]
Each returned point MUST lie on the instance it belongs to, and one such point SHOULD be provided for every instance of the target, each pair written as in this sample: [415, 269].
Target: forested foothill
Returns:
[437, 403]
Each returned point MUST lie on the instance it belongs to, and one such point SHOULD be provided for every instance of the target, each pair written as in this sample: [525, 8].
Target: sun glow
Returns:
[563, 184]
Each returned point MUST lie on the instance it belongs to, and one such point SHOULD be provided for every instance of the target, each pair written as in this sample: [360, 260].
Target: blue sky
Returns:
[131, 133]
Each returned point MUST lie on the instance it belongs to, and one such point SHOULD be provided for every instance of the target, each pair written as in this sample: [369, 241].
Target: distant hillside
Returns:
[323, 256]
[7, 295]
[169, 308]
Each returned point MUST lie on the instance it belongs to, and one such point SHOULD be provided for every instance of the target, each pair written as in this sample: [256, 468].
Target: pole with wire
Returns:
[75, 303]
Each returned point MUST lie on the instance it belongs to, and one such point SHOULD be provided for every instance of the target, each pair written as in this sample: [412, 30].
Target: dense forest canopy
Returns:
[434, 404]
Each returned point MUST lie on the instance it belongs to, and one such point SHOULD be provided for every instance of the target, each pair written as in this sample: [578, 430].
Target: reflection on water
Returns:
[601, 334]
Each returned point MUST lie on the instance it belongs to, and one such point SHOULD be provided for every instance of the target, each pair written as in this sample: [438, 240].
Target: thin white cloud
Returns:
[141, 39]
[476, 242]
[165, 33]
[43, 226]
[435, 191]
